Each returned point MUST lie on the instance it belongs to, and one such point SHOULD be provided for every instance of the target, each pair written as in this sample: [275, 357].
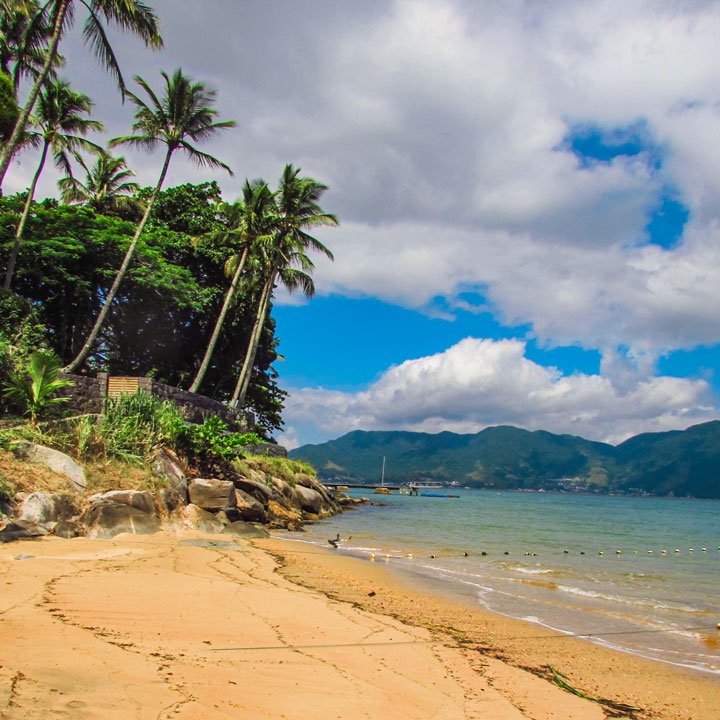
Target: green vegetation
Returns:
[34, 391]
[176, 283]
[284, 468]
[684, 463]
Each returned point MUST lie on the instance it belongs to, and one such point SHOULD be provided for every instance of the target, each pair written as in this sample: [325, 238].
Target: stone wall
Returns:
[88, 394]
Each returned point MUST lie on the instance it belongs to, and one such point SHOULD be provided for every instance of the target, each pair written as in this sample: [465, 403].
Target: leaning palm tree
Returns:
[129, 15]
[298, 211]
[106, 188]
[183, 113]
[61, 126]
[249, 221]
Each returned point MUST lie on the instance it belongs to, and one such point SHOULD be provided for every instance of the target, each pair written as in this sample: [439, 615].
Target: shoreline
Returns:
[186, 626]
[658, 690]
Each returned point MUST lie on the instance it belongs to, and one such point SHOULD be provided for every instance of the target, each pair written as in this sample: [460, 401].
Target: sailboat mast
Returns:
[382, 477]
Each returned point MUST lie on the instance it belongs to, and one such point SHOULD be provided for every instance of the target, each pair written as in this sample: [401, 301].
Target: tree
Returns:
[298, 211]
[61, 127]
[106, 187]
[8, 107]
[128, 15]
[184, 113]
[249, 220]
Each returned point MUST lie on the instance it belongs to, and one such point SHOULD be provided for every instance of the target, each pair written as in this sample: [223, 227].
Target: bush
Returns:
[212, 438]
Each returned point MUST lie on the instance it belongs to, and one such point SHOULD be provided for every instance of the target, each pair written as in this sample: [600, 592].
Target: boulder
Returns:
[166, 465]
[310, 482]
[199, 519]
[138, 499]
[245, 529]
[211, 494]
[107, 519]
[258, 489]
[283, 517]
[68, 529]
[309, 500]
[248, 507]
[55, 460]
[170, 500]
[42, 507]
[21, 530]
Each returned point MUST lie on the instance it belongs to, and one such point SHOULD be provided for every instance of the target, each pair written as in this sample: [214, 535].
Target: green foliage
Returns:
[33, 390]
[212, 438]
[132, 426]
[8, 107]
[284, 468]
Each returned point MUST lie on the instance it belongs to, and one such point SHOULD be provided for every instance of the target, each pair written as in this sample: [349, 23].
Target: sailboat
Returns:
[382, 490]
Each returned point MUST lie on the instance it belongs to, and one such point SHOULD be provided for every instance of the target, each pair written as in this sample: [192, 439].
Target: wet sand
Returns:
[193, 626]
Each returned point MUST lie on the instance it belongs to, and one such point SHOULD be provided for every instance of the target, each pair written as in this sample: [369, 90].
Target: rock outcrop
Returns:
[55, 460]
[244, 501]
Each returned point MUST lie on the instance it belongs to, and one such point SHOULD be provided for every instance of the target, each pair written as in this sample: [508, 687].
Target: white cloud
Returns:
[478, 383]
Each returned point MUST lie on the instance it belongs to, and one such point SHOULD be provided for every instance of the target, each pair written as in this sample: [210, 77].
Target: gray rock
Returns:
[21, 530]
[138, 499]
[107, 519]
[170, 500]
[42, 507]
[55, 460]
[310, 482]
[248, 507]
[199, 519]
[259, 490]
[212, 494]
[166, 465]
[68, 529]
[245, 529]
[309, 500]
[270, 449]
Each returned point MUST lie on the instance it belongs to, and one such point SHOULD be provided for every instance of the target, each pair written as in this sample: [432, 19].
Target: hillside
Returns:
[680, 462]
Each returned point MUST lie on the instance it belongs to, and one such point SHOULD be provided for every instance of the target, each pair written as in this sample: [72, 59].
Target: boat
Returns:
[383, 490]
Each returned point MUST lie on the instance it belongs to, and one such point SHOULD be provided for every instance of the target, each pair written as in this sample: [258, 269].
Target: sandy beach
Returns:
[193, 626]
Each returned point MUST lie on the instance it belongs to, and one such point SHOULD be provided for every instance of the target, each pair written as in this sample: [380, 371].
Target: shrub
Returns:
[212, 438]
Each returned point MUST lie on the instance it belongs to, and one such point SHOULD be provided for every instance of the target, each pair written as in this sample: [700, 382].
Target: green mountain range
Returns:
[682, 463]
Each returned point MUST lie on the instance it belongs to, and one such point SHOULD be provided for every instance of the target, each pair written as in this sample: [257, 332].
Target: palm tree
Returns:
[106, 187]
[298, 212]
[128, 15]
[184, 113]
[249, 221]
[61, 127]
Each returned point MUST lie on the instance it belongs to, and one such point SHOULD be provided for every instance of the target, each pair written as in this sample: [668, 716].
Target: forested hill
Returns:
[685, 463]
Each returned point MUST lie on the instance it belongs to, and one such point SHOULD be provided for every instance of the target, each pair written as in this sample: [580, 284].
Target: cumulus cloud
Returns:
[478, 383]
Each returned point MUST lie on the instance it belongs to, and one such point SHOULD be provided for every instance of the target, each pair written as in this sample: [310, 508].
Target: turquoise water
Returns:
[638, 574]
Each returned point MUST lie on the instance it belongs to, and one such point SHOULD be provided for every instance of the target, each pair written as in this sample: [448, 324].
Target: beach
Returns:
[195, 626]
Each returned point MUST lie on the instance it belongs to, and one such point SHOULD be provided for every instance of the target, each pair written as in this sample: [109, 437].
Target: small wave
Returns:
[638, 602]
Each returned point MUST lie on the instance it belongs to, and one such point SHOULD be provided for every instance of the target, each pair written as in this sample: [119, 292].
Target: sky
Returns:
[528, 195]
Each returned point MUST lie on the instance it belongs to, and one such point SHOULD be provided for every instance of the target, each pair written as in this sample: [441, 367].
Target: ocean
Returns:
[638, 574]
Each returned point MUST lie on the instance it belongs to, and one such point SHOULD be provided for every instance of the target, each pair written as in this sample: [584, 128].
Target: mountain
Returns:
[680, 462]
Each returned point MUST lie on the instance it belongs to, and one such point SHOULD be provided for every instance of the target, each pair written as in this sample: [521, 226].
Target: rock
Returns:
[309, 500]
[283, 517]
[248, 507]
[68, 529]
[42, 507]
[107, 519]
[199, 519]
[170, 500]
[258, 489]
[55, 460]
[21, 530]
[282, 488]
[245, 529]
[166, 465]
[211, 494]
[269, 449]
[139, 499]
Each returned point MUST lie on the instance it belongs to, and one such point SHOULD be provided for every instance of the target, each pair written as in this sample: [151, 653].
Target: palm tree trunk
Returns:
[218, 325]
[243, 383]
[13, 143]
[121, 272]
[23, 218]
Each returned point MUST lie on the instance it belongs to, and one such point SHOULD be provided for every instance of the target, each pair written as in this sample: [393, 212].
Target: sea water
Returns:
[638, 574]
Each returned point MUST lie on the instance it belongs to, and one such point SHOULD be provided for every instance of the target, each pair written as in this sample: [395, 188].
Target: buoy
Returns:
[691, 550]
[372, 556]
[466, 554]
[566, 551]
[601, 553]
[582, 552]
[387, 557]
[482, 553]
[432, 556]
[704, 549]
[664, 552]
[506, 553]
[650, 552]
[410, 555]
[618, 552]
[635, 552]
[677, 550]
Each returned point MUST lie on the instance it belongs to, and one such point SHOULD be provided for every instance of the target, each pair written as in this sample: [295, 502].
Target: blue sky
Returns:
[528, 196]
